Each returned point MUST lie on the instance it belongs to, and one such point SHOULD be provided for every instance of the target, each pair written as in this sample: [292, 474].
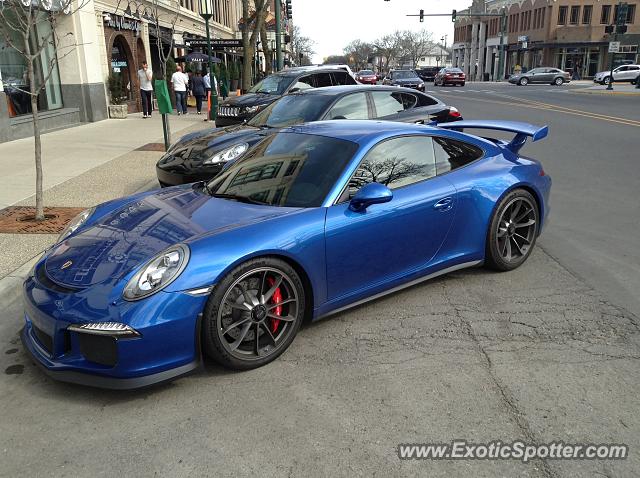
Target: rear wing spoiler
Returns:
[522, 130]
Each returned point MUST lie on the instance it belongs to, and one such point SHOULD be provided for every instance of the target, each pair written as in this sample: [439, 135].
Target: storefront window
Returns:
[121, 66]
[13, 72]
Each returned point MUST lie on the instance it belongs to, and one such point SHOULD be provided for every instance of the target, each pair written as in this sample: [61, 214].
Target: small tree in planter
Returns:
[233, 75]
[117, 99]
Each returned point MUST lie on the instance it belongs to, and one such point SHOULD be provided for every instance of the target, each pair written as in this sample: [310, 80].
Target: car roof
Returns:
[357, 131]
[342, 89]
[300, 70]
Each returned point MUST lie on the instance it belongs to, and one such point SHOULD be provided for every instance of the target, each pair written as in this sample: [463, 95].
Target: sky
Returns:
[332, 24]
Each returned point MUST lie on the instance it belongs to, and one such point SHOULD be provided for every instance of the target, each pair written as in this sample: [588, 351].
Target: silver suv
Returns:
[622, 73]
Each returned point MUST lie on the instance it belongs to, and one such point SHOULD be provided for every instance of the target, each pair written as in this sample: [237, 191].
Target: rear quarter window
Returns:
[452, 154]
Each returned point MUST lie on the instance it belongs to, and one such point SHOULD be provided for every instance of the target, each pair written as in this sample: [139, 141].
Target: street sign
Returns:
[614, 47]
[524, 45]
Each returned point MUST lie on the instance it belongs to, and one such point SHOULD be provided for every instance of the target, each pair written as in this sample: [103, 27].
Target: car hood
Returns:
[197, 147]
[136, 232]
[250, 99]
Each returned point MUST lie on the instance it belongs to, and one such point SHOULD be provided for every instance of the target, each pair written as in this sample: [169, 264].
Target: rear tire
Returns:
[513, 231]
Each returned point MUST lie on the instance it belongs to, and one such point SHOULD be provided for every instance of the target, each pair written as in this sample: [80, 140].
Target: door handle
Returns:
[444, 204]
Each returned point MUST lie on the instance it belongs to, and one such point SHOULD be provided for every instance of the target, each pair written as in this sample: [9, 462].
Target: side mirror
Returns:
[372, 193]
[293, 90]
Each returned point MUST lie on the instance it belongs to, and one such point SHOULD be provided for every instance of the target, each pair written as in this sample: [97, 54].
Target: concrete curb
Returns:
[605, 92]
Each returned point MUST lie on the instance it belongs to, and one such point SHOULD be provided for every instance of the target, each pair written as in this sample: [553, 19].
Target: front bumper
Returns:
[173, 177]
[168, 345]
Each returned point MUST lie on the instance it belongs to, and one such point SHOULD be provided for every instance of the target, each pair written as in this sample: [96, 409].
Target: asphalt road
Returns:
[593, 156]
[536, 354]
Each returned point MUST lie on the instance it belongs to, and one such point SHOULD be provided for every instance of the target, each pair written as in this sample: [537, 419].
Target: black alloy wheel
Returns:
[513, 231]
[253, 314]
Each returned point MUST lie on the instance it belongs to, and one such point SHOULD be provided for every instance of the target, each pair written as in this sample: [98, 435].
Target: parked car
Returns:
[406, 78]
[320, 217]
[550, 76]
[622, 73]
[449, 76]
[200, 156]
[237, 109]
[428, 73]
[367, 77]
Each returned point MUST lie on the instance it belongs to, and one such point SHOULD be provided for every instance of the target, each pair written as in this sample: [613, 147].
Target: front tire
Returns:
[606, 80]
[513, 231]
[558, 81]
[253, 314]
[523, 82]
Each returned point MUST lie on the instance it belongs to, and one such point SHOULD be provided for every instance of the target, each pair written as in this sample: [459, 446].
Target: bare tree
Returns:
[360, 52]
[301, 46]
[21, 28]
[166, 13]
[387, 47]
[414, 45]
[251, 27]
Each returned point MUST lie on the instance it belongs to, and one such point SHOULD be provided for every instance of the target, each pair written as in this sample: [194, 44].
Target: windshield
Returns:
[273, 85]
[290, 110]
[286, 169]
[403, 74]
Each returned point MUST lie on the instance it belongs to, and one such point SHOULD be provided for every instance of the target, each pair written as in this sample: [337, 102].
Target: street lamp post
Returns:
[206, 12]
[446, 53]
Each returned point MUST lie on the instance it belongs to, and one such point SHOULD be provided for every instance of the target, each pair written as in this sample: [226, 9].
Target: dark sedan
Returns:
[449, 76]
[550, 76]
[406, 78]
[428, 73]
[237, 109]
[202, 155]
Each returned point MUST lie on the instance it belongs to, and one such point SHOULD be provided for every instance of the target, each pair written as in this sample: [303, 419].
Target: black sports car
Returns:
[237, 109]
[200, 156]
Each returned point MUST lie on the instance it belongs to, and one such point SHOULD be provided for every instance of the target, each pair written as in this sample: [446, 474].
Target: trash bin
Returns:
[486, 77]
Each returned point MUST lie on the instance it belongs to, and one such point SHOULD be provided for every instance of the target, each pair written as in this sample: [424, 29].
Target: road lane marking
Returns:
[555, 108]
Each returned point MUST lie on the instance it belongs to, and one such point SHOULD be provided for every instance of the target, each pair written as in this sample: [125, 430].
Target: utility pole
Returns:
[446, 53]
[620, 27]
[455, 14]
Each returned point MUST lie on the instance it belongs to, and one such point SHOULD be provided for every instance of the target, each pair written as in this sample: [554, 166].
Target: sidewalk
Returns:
[618, 89]
[70, 152]
[83, 166]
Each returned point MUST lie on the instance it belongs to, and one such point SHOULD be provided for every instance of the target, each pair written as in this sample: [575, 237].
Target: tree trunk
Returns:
[37, 143]
[247, 51]
[268, 52]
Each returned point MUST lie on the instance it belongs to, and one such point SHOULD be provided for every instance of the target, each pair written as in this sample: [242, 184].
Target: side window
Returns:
[303, 83]
[408, 100]
[322, 79]
[387, 103]
[426, 100]
[452, 154]
[395, 163]
[352, 106]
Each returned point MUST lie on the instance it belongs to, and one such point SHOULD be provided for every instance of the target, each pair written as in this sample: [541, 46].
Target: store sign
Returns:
[523, 38]
[614, 47]
[118, 64]
[218, 42]
[118, 22]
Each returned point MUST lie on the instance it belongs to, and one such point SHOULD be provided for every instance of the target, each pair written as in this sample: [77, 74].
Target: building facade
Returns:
[112, 37]
[566, 34]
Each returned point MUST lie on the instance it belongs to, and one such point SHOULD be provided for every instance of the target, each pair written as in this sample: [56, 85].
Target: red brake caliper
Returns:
[275, 298]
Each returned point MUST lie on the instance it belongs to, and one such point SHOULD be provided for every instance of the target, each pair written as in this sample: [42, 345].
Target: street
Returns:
[548, 352]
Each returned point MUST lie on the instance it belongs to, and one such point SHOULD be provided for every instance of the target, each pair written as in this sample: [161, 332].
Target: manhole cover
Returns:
[20, 219]
[152, 147]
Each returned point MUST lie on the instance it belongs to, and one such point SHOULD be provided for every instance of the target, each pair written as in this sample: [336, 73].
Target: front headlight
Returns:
[420, 85]
[228, 154]
[253, 109]
[75, 223]
[158, 273]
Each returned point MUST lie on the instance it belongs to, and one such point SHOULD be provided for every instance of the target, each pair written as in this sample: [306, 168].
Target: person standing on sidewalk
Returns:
[197, 85]
[207, 89]
[180, 81]
[146, 89]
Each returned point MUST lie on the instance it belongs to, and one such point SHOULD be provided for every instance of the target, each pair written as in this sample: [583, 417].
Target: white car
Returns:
[621, 73]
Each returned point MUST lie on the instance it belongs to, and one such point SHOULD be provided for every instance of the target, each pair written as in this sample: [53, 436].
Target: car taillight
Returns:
[542, 173]
[447, 75]
[454, 113]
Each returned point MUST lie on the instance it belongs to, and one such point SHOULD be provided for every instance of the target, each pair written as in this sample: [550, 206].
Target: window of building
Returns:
[562, 15]
[586, 15]
[604, 14]
[13, 71]
[575, 15]
[631, 13]
[542, 18]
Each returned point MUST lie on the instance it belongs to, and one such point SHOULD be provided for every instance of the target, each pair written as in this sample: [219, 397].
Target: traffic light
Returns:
[608, 29]
[621, 29]
[289, 10]
[421, 16]
[621, 17]
[287, 39]
[453, 16]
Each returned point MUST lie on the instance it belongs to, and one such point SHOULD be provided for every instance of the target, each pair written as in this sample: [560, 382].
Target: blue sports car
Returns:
[312, 220]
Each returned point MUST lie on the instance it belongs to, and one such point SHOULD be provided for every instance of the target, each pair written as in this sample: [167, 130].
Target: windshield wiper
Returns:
[235, 197]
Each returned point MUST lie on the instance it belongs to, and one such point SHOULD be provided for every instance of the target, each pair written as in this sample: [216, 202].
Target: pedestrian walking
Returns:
[197, 87]
[207, 87]
[146, 89]
[180, 82]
